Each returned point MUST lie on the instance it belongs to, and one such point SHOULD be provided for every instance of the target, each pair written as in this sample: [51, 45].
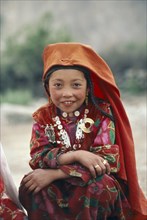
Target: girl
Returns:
[82, 152]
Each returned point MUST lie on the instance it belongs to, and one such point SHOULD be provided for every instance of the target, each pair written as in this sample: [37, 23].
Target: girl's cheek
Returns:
[82, 95]
[55, 95]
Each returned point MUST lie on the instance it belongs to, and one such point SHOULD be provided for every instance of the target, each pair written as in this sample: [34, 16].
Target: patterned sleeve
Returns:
[103, 146]
[43, 154]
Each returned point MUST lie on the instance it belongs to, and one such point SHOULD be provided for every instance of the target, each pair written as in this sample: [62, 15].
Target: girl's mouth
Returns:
[67, 103]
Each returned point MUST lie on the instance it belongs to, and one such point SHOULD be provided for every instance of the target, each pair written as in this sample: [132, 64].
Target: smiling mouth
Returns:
[67, 103]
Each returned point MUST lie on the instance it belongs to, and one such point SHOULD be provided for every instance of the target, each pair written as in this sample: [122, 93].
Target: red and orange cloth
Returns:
[70, 54]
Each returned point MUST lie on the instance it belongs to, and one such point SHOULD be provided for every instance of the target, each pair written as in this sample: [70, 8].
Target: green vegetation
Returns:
[21, 97]
[21, 61]
[129, 66]
[22, 66]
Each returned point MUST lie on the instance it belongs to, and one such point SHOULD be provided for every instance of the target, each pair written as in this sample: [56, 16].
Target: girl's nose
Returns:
[67, 93]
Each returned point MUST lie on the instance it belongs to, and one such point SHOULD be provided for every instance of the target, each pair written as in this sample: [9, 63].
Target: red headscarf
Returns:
[70, 54]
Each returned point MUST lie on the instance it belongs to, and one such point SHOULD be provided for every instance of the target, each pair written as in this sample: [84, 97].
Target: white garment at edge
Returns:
[5, 173]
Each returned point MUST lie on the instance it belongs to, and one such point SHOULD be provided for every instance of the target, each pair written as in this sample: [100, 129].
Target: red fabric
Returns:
[1, 185]
[104, 87]
[8, 209]
[79, 197]
[100, 141]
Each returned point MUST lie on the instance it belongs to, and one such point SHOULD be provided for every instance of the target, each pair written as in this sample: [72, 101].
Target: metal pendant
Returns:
[49, 132]
[86, 125]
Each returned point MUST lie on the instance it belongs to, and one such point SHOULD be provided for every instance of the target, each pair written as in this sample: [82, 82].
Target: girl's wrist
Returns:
[61, 174]
[76, 155]
[67, 158]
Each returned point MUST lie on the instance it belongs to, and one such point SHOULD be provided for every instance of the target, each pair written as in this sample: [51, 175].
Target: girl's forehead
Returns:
[67, 74]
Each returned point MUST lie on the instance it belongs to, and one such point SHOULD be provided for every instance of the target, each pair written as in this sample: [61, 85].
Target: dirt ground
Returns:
[16, 126]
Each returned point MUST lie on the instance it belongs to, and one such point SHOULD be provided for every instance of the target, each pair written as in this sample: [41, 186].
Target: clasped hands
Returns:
[38, 179]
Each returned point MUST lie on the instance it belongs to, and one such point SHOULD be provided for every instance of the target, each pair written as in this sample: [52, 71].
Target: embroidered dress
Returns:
[73, 198]
[79, 197]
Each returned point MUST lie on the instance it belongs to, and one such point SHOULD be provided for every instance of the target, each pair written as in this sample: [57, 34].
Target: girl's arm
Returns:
[43, 153]
[77, 163]
[103, 148]
[87, 159]
[40, 178]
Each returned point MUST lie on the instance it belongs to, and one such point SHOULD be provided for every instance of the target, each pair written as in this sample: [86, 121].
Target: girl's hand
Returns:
[40, 178]
[96, 164]
[37, 180]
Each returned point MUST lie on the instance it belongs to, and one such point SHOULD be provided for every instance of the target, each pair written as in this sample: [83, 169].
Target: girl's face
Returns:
[67, 88]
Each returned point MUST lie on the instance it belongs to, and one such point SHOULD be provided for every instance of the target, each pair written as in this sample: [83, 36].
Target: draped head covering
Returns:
[71, 54]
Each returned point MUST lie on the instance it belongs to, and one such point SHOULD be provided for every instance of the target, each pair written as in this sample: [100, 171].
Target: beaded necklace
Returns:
[62, 138]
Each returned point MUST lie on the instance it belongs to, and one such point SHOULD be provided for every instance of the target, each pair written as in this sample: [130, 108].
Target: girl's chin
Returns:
[68, 109]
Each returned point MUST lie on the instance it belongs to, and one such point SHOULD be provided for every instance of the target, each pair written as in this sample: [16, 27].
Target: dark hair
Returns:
[95, 100]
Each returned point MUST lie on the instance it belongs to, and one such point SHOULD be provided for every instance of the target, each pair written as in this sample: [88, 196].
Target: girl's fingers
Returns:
[92, 171]
[28, 184]
[107, 166]
[31, 188]
[102, 167]
[37, 189]
[98, 169]
[26, 178]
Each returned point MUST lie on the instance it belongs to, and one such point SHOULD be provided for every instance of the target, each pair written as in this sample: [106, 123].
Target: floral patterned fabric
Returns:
[80, 197]
[8, 209]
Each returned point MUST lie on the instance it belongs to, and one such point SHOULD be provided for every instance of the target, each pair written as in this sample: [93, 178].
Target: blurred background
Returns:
[115, 29]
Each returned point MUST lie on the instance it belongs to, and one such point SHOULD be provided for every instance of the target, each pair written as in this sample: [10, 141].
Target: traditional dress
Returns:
[10, 207]
[81, 197]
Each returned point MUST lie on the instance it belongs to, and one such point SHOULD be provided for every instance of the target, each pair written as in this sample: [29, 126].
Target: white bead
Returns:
[64, 114]
[58, 122]
[86, 111]
[76, 113]
[60, 127]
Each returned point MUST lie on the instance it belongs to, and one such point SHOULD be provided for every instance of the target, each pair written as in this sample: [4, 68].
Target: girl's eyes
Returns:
[60, 85]
[76, 85]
